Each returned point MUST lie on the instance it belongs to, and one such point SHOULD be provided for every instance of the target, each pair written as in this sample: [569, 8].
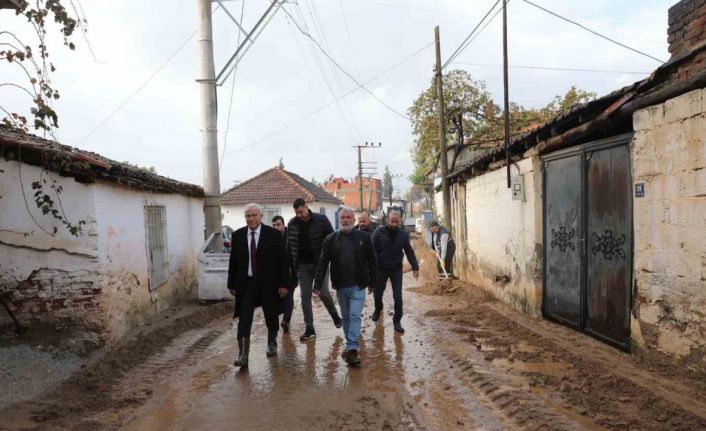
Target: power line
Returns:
[141, 87]
[563, 69]
[321, 108]
[462, 47]
[328, 80]
[592, 31]
[342, 69]
[232, 91]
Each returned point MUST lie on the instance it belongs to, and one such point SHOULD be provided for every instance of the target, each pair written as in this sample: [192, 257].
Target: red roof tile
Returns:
[275, 186]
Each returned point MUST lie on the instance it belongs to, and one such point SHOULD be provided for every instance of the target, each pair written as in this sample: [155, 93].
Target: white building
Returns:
[275, 190]
[135, 254]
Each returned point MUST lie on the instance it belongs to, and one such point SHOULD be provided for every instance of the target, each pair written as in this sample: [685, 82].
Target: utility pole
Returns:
[445, 190]
[209, 130]
[360, 148]
[507, 96]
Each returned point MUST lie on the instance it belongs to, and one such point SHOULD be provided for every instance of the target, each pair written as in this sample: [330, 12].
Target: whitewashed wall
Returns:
[503, 238]
[98, 278]
[234, 215]
[122, 251]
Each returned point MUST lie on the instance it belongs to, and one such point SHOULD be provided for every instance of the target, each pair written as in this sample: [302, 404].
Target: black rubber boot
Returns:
[244, 346]
[271, 343]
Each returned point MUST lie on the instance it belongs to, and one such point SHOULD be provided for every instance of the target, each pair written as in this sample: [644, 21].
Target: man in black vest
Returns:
[288, 301]
[306, 233]
[257, 276]
[444, 246]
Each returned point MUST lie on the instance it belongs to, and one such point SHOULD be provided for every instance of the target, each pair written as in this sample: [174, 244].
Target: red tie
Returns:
[253, 253]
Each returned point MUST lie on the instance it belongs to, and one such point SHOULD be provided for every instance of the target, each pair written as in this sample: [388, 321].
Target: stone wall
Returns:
[669, 157]
[500, 240]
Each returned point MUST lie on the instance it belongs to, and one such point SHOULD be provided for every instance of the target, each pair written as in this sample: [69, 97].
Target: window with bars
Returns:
[157, 251]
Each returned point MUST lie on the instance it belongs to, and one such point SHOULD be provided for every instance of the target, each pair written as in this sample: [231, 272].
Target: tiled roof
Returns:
[276, 186]
[85, 166]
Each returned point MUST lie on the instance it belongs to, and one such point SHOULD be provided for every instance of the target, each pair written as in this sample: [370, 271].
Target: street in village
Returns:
[465, 362]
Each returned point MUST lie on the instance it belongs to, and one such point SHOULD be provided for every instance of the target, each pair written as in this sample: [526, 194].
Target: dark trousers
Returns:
[247, 310]
[448, 260]
[288, 302]
[395, 277]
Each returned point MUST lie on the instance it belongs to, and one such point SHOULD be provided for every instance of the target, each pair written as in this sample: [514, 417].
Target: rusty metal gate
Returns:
[588, 239]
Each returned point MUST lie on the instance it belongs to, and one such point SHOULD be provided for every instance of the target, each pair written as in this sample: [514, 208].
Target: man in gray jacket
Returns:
[305, 236]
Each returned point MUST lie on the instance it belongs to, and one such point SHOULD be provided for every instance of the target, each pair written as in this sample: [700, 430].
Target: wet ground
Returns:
[464, 363]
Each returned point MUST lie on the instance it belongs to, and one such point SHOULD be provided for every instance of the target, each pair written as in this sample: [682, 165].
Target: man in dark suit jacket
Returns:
[257, 276]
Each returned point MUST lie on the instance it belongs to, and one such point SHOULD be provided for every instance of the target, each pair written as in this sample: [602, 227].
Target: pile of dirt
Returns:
[89, 388]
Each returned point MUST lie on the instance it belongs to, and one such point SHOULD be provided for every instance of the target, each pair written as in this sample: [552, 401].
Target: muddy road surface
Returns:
[465, 362]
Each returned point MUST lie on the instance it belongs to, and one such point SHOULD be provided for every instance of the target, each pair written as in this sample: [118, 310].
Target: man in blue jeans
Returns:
[353, 267]
[389, 242]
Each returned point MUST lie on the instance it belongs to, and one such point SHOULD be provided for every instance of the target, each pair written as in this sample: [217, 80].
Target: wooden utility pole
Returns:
[209, 127]
[360, 169]
[443, 161]
[507, 95]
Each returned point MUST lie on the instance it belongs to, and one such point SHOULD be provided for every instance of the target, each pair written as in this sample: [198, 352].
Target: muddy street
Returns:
[465, 362]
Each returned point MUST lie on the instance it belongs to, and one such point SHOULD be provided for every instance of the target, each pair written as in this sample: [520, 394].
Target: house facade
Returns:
[135, 254]
[604, 226]
[276, 190]
[349, 192]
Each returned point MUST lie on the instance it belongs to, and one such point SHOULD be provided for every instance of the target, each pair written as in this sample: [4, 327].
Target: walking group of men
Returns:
[267, 263]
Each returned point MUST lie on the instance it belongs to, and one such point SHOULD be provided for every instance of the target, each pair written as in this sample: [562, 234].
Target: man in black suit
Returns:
[257, 276]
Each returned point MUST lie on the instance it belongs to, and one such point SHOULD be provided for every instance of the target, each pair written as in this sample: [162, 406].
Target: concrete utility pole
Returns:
[443, 161]
[209, 126]
[506, 95]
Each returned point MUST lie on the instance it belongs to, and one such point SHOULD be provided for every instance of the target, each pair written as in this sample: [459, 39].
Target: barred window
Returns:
[157, 251]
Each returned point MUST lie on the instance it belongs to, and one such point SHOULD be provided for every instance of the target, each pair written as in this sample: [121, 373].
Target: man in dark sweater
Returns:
[353, 267]
[305, 236]
[389, 242]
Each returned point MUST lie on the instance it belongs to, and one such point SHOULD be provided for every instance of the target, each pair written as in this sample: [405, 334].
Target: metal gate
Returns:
[588, 239]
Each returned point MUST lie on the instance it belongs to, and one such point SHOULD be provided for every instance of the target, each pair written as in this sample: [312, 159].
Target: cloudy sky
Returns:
[284, 80]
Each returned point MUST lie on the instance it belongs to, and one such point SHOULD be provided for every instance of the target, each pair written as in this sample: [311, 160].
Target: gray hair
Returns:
[346, 210]
[394, 212]
[253, 206]
[364, 212]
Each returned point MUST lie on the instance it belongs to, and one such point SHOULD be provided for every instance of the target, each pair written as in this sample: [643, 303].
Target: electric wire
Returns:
[141, 87]
[464, 43]
[232, 91]
[592, 31]
[346, 106]
[562, 69]
[328, 80]
[318, 45]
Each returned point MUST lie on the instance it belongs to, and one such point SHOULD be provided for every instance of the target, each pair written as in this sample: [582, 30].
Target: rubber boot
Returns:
[271, 343]
[244, 346]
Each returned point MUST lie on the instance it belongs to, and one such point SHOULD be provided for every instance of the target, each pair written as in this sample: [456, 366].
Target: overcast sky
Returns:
[283, 79]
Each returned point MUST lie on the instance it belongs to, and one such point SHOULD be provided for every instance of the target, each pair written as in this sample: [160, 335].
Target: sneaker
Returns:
[352, 357]
[399, 328]
[308, 334]
[376, 315]
[337, 321]
[285, 326]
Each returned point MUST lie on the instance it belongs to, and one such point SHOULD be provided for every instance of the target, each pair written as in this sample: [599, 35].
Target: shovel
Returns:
[443, 266]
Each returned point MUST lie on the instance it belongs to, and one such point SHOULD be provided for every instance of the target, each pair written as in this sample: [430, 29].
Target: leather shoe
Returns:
[376, 315]
[399, 328]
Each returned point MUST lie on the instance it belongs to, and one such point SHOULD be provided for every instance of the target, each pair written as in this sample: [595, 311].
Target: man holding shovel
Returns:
[444, 247]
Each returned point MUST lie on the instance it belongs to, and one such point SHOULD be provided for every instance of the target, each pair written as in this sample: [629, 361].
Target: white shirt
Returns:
[257, 240]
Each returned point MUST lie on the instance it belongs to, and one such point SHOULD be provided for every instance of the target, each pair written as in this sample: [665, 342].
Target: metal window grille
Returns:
[157, 251]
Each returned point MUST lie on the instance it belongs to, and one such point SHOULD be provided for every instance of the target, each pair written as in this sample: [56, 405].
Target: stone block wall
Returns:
[669, 157]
